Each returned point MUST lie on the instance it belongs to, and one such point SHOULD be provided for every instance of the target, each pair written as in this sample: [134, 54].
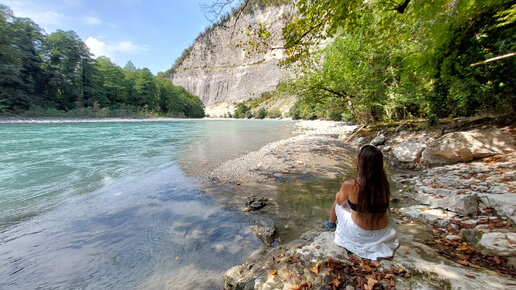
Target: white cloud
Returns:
[90, 20]
[38, 13]
[99, 48]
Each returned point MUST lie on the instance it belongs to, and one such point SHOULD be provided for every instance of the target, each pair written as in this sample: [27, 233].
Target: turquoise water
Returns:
[116, 205]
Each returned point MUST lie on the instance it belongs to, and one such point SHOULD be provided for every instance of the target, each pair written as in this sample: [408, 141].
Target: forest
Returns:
[388, 60]
[55, 76]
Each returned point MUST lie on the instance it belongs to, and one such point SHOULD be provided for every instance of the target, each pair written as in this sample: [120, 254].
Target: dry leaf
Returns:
[273, 272]
[315, 269]
[497, 260]
[335, 282]
[470, 276]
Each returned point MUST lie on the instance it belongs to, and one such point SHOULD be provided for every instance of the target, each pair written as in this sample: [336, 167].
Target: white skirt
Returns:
[370, 244]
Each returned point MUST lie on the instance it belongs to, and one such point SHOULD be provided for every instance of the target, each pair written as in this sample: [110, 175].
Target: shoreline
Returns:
[58, 120]
[415, 205]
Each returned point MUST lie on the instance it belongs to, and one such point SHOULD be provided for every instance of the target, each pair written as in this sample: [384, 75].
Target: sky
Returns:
[149, 33]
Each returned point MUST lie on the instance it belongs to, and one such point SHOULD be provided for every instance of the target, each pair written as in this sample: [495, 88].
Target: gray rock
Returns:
[408, 151]
[498, 189]
[324, 246]
[378, 140]
[472, 236]
[255, 203]
[265, 231]
[466, 146]
[465, 204]
[359, 141]
[498, 243]
[216, 71]
[504, 204]
[439, 217]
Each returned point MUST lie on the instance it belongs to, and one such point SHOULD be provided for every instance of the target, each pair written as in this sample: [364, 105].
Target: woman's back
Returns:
[364, 220]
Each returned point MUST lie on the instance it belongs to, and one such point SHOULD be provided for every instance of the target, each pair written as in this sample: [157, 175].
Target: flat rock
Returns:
[439, 217]
[464, 204]
[498, 243]
[466, 146]
[324, 246]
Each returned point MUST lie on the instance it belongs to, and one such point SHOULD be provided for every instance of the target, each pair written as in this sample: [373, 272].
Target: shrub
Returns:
[261, 113]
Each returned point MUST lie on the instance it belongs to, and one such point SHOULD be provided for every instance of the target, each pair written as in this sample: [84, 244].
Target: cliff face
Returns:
[216, 70]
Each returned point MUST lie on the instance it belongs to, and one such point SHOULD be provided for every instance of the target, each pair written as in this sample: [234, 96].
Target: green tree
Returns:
[112, 81]
[68, 56]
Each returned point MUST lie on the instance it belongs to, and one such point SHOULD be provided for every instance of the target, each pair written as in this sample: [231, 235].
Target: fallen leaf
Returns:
[335, 282]
[273, 272]
[497, 260]
[315, 269]
[470, 276]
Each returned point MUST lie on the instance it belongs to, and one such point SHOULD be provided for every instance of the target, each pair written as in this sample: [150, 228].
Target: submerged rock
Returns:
[255, 203]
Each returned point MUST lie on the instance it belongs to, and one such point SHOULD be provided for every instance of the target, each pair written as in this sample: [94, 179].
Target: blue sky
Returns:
[151, 34]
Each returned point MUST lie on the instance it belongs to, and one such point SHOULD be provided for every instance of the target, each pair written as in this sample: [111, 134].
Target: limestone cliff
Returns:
[216, 70]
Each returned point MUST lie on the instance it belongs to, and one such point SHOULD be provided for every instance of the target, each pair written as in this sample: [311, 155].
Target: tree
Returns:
[112, 81]
[68, 56]
[129, 66]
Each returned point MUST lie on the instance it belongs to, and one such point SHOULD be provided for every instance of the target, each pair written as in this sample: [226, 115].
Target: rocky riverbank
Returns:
[455, 206]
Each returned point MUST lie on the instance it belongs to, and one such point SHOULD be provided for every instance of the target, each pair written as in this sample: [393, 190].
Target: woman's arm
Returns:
[344, 192]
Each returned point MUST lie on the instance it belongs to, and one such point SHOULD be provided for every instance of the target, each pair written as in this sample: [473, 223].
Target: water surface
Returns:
[114, 205]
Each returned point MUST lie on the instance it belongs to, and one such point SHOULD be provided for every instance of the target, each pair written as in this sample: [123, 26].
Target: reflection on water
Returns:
[304, 206]
[108, 205]
[141, 232]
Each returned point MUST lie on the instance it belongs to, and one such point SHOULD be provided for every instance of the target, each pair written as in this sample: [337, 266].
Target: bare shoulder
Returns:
[345, 191]
[348, 184]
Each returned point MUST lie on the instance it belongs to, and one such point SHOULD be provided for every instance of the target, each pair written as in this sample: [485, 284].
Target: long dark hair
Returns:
[372, 183]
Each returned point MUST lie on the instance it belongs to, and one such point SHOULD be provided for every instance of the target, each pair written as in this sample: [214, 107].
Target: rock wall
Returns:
[216, 70]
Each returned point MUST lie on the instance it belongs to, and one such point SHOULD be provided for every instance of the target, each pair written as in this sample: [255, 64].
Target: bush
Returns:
[275, 113]
[261, 113]
[242, 111]
[432, 121]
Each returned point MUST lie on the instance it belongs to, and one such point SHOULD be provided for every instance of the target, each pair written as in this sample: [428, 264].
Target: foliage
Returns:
[55, 75]
[391, 60]
[261, 113]
[242, 111]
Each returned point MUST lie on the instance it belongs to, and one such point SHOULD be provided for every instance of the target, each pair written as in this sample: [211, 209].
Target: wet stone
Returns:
[255, 203]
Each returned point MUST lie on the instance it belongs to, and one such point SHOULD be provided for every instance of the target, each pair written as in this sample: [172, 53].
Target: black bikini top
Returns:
[354, 207]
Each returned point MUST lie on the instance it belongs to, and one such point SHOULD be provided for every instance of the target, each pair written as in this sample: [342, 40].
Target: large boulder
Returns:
[408, 151]
[466, 146]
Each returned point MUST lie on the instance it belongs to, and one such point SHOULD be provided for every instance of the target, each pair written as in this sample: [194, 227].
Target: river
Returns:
[117, 204]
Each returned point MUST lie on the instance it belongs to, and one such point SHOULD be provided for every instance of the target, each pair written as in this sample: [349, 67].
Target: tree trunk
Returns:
[352, 108]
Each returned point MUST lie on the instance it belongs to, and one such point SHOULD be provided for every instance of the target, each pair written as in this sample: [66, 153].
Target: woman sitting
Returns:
[364, 226]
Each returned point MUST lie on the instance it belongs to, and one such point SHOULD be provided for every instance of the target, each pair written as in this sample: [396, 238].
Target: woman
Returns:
[361, 205]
